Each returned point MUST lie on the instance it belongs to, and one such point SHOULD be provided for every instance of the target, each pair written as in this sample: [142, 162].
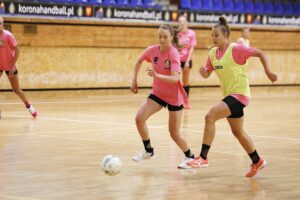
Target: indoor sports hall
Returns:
[76, 60]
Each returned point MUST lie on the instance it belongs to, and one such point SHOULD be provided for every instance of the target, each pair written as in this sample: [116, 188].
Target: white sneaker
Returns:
[142, 156]
[184, 165]
[32, 111]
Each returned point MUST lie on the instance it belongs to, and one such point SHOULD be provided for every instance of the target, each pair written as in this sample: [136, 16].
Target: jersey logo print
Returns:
[155, 60]
[218, 67]
[168, 64]
[1, 43]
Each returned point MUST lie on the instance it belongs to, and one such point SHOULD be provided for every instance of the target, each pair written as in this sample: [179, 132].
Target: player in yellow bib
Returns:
[228, 60]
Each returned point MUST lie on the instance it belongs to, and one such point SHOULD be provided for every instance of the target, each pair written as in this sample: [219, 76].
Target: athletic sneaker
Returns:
[186, 103]
[32, 111]
[142, 156]
[183, 164]
[254, 168]
[198, 162]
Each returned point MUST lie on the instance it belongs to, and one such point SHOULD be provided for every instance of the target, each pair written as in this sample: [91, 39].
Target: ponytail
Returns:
[224, 26]
[175, 40]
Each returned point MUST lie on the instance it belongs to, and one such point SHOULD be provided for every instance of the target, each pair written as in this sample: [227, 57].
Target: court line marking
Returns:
[262, 136]
[247, 122]
[157, 146]
[265, 156]
[98, 122]
[199, 97]
[79, 121]
[139, 98]
[13, 197]
[66, 131]
[68, 120]
[88, 139]
[81, 139]
[149, 126]
[70, 102]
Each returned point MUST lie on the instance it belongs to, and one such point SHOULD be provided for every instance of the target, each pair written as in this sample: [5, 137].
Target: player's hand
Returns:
[203, 71]
[151, 72]
[134, 87]
[273, 77]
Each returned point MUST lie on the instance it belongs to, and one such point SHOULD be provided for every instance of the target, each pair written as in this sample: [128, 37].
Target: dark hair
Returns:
[224, 26]
[173, 32]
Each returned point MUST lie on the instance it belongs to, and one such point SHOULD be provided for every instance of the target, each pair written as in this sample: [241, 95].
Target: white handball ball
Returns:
[111, 165]
[104, 162]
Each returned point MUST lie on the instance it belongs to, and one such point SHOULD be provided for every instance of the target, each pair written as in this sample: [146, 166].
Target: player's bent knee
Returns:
[139, 120]
[174, 135]
[209, 118]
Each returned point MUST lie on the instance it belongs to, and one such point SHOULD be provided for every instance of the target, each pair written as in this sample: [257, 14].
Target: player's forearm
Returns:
[136, 69]
[169, 79]
[264, 60]
[17, 54]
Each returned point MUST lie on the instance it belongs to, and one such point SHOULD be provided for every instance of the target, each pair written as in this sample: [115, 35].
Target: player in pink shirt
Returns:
[187, 38]
[9, 54]
[245, 37]
[167, 91]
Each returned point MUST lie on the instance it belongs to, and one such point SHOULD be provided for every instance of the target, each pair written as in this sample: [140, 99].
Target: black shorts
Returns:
[235, 107]
[165, 104]
[15, 72]
[183, 63]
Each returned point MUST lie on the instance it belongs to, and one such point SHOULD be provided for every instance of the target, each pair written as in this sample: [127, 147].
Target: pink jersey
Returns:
[240, 54]
[164, 63]
[188, 39]
[7, 52]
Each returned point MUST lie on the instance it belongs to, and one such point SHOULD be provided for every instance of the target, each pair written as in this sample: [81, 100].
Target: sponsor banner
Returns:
[69, 10]
[231, 18]
[211, 17]
[242, 18]
[135, 14]
[273, 20]
[42, 9]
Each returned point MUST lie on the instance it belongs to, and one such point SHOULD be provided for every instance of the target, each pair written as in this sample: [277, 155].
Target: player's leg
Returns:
[14, 82]
[219, 111]
[186, 79]
[186, 84]
[148, 108]
[1, 72]
[237, 128]
[175, 117]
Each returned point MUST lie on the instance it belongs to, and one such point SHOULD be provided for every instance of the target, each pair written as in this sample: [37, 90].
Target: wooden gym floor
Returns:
[58, 155]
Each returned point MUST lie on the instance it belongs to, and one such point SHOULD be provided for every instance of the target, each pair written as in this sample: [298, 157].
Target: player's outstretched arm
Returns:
[263, 58]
